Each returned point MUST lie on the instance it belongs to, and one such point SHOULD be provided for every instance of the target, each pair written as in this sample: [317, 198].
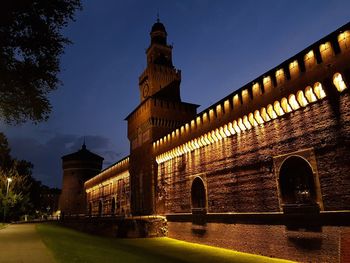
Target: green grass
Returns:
[72, 246]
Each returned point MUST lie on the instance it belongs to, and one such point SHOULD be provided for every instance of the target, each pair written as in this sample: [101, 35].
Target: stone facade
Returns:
[77, 167]
[278, 146]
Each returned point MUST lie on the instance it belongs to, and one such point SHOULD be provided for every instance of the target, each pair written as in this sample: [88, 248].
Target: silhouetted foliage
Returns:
[31, 43]
[23, 194]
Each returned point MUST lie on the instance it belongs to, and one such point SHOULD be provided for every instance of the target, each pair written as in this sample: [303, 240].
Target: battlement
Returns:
[114, 170]
[315, 73]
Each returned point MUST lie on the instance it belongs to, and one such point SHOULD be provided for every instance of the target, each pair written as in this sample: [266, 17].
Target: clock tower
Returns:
[160, 112]
[160, 70]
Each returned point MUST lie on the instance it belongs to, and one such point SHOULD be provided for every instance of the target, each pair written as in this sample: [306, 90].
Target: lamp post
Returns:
[9, 180]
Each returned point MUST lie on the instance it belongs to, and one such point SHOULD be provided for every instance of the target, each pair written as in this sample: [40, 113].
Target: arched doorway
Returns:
[296, 182]
[100, 208]
[113, 206]
[198, 196]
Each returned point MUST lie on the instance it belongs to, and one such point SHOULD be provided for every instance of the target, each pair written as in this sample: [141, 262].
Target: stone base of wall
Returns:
[326, 243]
[131, 227]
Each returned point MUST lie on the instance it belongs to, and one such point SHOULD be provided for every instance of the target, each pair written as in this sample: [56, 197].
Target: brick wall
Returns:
[238, 171]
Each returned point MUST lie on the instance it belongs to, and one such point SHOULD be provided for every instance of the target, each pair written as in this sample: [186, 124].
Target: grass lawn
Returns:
[73, 246]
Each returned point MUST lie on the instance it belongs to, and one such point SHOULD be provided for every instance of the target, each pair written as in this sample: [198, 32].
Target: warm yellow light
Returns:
[206, 139]
[195, 143]
[258, 117]
[324, 46]
[271, 112]
[217, 134]
[193, 124]
[309, 55]
[222, 133]
[210, 138]
[246, 122]
[293, 64]
[187, 127]
[198, 120]
[252, 120]
[344, 40]
[264, 114]
[218, 109]
[205, 117]
[213, 136]
[182, 129]
[318, 89]
[226, 131]
[236, 100]
[211, 114]
[293, 102]
[235, 127]
[309, 94]
[267, 81]
[227, 106]
[204, 143]
[301, 99]
[280, 76]
[278, 109]
[241, 125]
[231, 129]
[285, 106]
[256, 89]
[339, 82]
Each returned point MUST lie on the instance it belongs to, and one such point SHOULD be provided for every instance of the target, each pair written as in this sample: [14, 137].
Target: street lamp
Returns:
[9, 180]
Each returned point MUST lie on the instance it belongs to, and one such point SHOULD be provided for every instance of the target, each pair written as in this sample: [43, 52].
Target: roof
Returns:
[82, 154]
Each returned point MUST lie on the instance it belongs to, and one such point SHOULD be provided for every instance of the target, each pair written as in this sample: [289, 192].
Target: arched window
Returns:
[293, 102]
[198, 196]
[319, 91]
[296, 182]
[271, 112]
[339, 82]
[100, 208]
[301, 99]
[344, 40]
[309, 94]
[285, 106]
[113, 206]
[278, 109]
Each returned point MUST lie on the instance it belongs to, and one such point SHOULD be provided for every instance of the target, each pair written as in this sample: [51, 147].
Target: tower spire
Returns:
[84, 145]
[158, 20]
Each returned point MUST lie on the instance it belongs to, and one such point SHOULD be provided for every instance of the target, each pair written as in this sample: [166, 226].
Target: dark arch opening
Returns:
[297, 182]
[100, 208]
[198, 196]
[113, 206]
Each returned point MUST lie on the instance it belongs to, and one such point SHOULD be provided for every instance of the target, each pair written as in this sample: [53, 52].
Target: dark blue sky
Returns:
[218, 45]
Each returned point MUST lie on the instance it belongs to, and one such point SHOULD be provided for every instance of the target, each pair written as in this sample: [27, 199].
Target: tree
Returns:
[14, 195]
[31, 43]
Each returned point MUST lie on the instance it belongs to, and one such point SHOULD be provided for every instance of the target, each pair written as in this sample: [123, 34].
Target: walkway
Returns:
[22, 244]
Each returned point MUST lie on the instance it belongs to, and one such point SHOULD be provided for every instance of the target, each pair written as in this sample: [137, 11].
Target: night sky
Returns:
[218, 45]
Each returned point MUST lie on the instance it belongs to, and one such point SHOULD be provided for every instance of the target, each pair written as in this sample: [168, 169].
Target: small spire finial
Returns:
[158, 16]
[84, 145]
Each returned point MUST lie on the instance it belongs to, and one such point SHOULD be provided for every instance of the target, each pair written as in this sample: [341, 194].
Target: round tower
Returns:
[78, 167]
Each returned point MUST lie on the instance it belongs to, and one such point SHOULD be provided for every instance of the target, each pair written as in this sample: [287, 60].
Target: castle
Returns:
[267, 161]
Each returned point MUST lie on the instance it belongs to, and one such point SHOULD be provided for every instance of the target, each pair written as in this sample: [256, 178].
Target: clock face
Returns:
[145, 90]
